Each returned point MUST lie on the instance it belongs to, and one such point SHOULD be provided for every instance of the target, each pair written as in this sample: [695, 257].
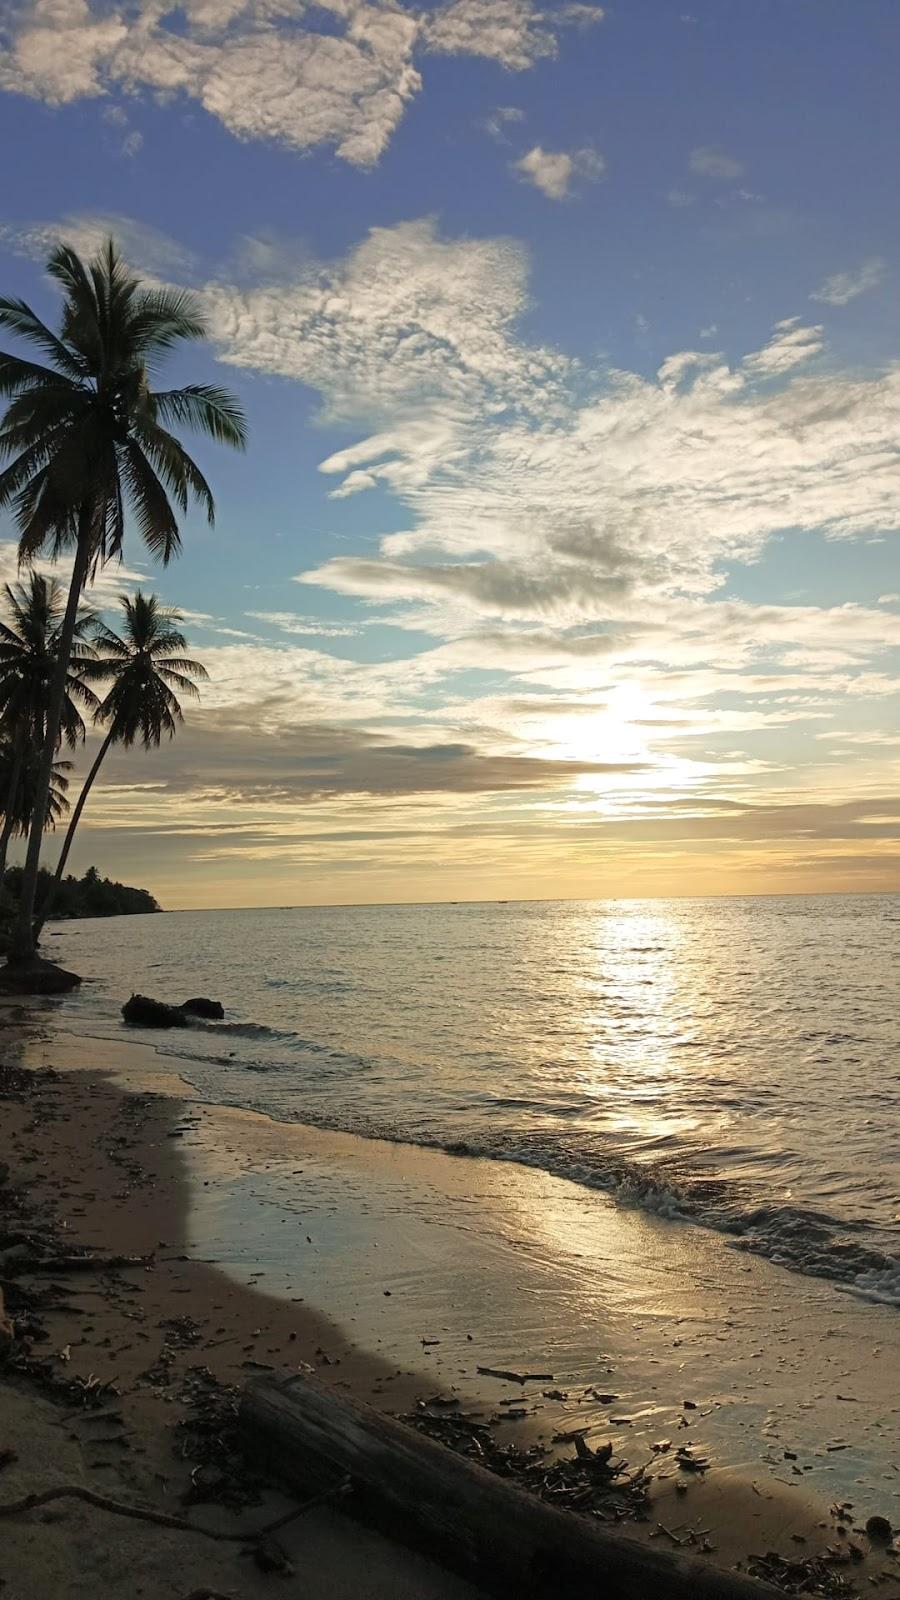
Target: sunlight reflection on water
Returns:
[734, 1060]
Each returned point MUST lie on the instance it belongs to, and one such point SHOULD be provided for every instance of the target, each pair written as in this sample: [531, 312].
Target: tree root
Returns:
[163, 1519]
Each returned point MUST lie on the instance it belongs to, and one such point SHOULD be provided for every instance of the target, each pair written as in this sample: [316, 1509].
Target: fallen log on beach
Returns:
[470, 1520]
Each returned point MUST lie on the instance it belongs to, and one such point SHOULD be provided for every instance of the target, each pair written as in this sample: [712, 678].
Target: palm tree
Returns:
[57, 807]
[146, 666]
[86, 436]
[29, 649]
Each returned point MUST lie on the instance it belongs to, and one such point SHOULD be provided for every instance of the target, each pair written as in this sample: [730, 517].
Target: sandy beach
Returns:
[107, 1167]
[395, 1274]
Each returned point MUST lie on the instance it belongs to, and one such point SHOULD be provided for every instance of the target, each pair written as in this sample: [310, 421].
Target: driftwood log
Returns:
[469, 1519]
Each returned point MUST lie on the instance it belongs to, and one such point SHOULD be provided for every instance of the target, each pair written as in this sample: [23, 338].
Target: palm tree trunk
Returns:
[23, 942]
[74, 820]
[12, 796]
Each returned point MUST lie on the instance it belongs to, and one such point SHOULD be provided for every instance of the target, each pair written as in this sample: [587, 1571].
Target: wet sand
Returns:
[108, 1167]
[396, 1273]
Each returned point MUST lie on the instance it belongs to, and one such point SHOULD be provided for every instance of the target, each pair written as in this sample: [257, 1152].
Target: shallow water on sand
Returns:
[444, 1265]
[730, 1062]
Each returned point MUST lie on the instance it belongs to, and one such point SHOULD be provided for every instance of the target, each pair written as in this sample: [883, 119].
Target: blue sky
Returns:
[564, 555]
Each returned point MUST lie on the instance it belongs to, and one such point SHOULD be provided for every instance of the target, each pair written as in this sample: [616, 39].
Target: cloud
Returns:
[293, 622]
[553, 171]
[842, 287]
[339, 73]
[501, 118]
[517, 33]
[532, 491]
[147, 248]
[791, 345]
[405, 315]
[305, 763]
[102, 595]
[708, 162]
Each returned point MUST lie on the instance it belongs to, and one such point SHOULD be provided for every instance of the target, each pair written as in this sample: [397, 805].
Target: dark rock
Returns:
[879, 1529]
[270, 1557]
[7, 1336]
[142, 1012]
[213, 1010]
[36, 976]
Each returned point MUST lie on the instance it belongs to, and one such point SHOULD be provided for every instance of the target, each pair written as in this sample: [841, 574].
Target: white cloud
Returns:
[553, 171]
[295, 623]
[405, 315]
[531, 491]
[339, 72]
[147, 248]
[102, 595]
[517, 33]
[708, 162]
[792, 344]
[842, 287]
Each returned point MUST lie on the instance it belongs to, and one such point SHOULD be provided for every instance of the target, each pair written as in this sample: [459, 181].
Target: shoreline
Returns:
[248, 1321]
[142, 1365]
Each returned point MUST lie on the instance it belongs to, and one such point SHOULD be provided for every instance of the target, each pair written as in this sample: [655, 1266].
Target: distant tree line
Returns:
[90, 896]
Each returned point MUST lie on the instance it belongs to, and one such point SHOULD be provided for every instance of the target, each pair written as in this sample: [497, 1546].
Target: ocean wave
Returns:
[244, 1030]
[811, 1243]
[674, 1184]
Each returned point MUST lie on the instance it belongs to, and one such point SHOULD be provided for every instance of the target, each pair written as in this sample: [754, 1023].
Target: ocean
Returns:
[733, 1063]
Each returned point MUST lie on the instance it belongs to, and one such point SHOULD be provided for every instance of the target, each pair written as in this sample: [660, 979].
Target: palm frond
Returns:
[207, 409]
[164, 318]
[17, 374]
[181, 664]
[42, 410]
[149, 503]
[18, 317]
[171, 460]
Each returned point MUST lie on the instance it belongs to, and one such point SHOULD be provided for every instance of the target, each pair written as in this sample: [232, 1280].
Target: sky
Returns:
[562, 560]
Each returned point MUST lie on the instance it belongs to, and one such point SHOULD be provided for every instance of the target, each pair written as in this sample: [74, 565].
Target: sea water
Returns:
[732, 1063]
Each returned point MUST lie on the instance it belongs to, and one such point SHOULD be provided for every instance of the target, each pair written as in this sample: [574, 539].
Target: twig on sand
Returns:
[22, 1263]
[163, 1519]
[515, 1377]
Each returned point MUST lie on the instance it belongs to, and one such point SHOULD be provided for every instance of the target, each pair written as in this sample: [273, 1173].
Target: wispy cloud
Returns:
[500, 119]
[314, 627]
[709, 162]
[792, 344]
[842, 287]
[154, 252]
